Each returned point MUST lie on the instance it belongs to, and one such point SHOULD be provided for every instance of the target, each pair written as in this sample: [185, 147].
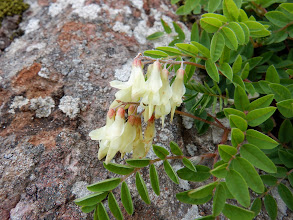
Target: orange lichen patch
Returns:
[47, 138]
[19, 124]
[69, 35]
[33, 85]
[4, 95]
[43, 2]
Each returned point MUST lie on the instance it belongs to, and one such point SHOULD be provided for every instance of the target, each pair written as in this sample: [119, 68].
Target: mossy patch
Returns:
[12, 7]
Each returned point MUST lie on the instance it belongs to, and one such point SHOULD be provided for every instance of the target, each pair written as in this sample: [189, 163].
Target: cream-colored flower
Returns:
[138, 144]
[134, 87]
[178, 90]
[114, 134]
[164, 107]
[101, 133]
[151, 97]
[128, 136]
[149, 134]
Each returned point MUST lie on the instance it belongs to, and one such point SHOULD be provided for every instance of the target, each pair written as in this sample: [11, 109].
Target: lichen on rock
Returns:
[42, 106]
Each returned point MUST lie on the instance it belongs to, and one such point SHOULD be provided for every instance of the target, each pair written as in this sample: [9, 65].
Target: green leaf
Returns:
[175, 149]
[250, 175]
[256, 29]
[188, 49]
[217, 46]
[232, 111]
[141, 188]
[269, 180]
[205, 39]
[228, 193]
[287, 8]
[236, 213]
[230, 38]
[237, 122]
[207, 217]
[245, 31]
[220, 171]
[237, 137]
[271, 206]
[258, 116]
[281, 172]
[243, 15]
[202, 191]
[256, 206]
[166, 27]
[213, 5]
[238, 187]
[260, 140]
[181, 35]
[210, 25]
[126, 198]
[212, 70]
[154, 179]
[194, 33]
[96, 217]
[189, 71]
[257, 158]
[286, 158]
[237, 81]
[249, 88]
[286, 131]
[237, 29]
[114, 207]
[88, 209]
[170, 172]
[237, 64]
[226, 152]
[240, 99]
[286, 195]
[253, 62]
[262, 102]
[245, 71]
[155, 35]
[187, 163]
[174, 1]
[119, 168]
[281, 92]
[290, 178]
[202, 49]
[105, 185]
[102, 213]
[91, 199]
[161, 152]
[272, 75]
[227, 70]
[183, 197]
[278, 18]
[202, 174]
[155, 53]
[219, 200]
[213, 15]
[286, 108]
[230, 10]
[138, 162]
[170, 50]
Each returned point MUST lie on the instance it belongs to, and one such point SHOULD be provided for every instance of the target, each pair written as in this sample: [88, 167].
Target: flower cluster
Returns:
[157, 98]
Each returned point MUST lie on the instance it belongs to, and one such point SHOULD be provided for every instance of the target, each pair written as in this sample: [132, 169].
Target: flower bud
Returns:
[132, 109]
[178, 90]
